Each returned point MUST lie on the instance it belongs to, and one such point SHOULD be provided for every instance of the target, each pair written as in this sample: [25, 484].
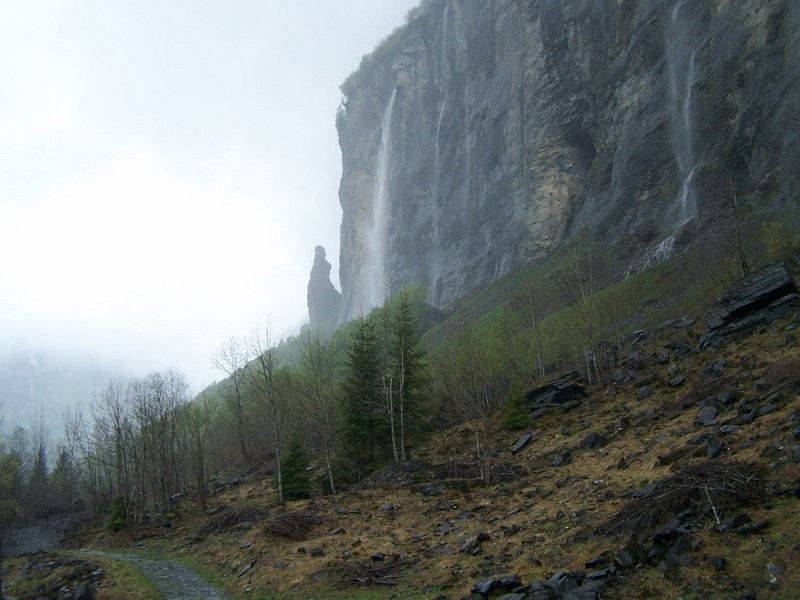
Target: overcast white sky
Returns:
[166, 169]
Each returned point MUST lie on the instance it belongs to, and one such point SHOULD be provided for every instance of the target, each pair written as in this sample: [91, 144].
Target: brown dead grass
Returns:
[545, 520]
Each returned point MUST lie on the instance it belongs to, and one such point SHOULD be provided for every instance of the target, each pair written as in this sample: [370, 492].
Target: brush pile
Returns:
[707, 489]
[379, 570]
[231, 519]
[295, 525]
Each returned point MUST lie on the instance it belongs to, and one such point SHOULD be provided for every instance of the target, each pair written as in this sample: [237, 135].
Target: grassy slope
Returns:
[548, 505]
[554, 510]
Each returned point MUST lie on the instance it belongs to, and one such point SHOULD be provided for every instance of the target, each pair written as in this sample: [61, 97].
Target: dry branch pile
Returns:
[294, 525]
[709, 488]
[371, 572]
[229, 519]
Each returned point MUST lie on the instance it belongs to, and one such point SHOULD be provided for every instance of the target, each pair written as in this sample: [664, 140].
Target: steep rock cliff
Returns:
[482, 135]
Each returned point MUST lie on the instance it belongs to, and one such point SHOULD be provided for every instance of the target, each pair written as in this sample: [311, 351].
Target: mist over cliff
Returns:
[481, 136]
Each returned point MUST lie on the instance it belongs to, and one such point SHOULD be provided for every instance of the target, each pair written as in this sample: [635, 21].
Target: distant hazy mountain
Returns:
[33, 381]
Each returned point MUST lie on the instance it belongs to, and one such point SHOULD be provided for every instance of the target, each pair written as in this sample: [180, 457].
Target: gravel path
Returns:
[34, 536]
[174, 580]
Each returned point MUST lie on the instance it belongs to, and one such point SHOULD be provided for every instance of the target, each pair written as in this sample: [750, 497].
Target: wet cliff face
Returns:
[515, 124]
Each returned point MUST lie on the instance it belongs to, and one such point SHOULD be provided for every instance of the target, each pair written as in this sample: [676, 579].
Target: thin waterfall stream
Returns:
[376, 239]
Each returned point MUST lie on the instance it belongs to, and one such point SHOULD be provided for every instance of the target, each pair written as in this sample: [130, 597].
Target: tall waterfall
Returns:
[681, 63]
[375, 285]
[434, 266]
[437, 159]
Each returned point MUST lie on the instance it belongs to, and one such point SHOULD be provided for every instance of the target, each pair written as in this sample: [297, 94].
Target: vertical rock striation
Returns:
[518, 123]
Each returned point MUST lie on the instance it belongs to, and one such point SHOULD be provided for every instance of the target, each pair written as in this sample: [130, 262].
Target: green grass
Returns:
[119, 575]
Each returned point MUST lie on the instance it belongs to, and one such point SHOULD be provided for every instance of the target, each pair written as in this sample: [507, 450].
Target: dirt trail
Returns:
[173, 580]
[35, 536]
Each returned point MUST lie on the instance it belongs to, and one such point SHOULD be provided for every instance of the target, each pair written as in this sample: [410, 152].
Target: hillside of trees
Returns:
[317, 415]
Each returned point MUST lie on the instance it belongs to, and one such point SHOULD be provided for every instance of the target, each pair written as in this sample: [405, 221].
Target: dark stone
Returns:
[564, 389]
[729, 429]
[751, 528]
[589, 590]
[774, 574]
[521, 442]
[645, 392]
[444, 528]
[765, 410]
[84, 591]
[618, 376]
[713, 448]
[725, 398]
[590, 441]
[708, 416]
[737, 521]
[505, 582]
[631, 555]
[378, 557]
[719, 563]
[657, 554]
[554, 581]
[316, 552]
[512, 596]
[677, 380]
[762, 385]
[559, 460]
[751, 301]
[600, 574]
[667, 533]
[473, 545]
[700, 438]
[600, 561]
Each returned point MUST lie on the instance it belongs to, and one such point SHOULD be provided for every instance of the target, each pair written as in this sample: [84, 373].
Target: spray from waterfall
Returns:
[376, 240]
[434, 262]
[682, 66]
[437, 161]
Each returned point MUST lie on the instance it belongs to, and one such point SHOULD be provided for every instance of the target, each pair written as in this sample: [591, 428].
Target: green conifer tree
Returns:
[409, 372]
[37, 494]
[294, 473]
[365, 435]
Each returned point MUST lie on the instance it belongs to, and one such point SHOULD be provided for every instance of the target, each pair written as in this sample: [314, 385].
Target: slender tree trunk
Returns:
[2, 556]
[388, 390]
[326, 450]
[402, 428]
[279, 477]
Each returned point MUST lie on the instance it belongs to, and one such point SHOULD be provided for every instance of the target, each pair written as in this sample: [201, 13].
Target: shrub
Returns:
[780, 246]
[117, 520]
[515, 411]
